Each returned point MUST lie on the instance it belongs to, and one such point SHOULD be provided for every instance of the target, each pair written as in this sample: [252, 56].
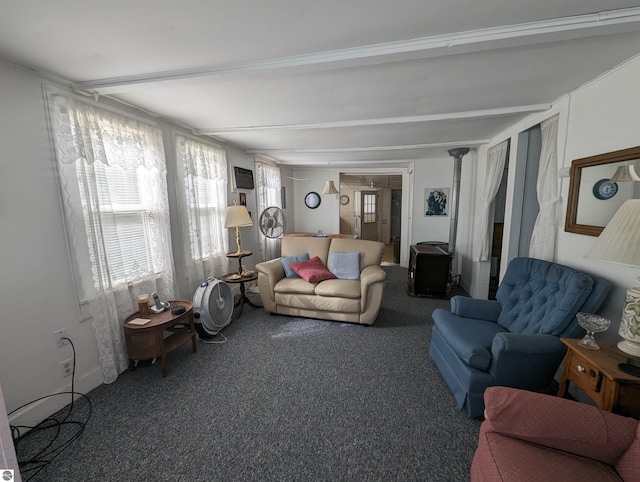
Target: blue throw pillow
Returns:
[286, 261]
[344, 265]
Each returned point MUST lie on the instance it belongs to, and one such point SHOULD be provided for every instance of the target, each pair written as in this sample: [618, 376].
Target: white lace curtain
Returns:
[543, 239]
[269, 194]
[112, 176]
[202, 200]
[496, 158]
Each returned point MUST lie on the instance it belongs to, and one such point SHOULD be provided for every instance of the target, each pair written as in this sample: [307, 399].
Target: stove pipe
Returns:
[455, 197]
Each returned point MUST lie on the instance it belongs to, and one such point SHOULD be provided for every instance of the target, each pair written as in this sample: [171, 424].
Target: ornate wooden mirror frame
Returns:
[582, 190]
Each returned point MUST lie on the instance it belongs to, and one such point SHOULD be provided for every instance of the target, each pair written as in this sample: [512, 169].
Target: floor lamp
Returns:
[620, 243]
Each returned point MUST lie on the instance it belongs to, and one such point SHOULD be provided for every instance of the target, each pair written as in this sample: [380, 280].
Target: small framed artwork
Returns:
[243, 198]
[436, 201]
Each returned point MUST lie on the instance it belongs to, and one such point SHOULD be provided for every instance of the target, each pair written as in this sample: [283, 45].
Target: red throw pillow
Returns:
[312, 270]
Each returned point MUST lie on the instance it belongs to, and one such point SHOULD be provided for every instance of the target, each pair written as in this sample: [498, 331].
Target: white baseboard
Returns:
[34, 413]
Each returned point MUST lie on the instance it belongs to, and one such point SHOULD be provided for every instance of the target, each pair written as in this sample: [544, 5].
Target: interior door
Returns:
[369, 215]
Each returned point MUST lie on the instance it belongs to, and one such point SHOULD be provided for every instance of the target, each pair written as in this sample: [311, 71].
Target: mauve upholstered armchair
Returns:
[528, 436]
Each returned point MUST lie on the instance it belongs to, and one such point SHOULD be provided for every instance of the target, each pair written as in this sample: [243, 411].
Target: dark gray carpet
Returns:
[285, 399]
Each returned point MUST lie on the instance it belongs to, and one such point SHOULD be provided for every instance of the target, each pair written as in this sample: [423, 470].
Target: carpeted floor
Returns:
[285, 399]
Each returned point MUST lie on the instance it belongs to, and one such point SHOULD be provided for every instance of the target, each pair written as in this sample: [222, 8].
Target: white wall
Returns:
[326, 217]
[604, 116]
[431, 173]
[36, 290]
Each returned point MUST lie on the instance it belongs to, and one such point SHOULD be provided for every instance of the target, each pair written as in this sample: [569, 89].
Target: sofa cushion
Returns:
[470, 339]
[344, 265]
[331, 304]
[371, 252]
[287, 260]
[294, 286]
[312, 270]
[339, 288]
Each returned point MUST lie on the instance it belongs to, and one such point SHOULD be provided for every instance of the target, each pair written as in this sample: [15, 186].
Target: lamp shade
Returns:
[329, 188]
[625, 174]
[237, 216]
[620, 241]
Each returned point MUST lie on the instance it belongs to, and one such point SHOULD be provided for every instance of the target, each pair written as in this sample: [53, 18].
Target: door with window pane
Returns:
[369, 215]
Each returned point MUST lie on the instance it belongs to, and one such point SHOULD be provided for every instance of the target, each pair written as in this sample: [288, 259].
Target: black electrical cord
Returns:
[34, 464]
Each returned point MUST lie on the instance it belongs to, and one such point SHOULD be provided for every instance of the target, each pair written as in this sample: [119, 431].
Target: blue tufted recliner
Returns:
[513, 341]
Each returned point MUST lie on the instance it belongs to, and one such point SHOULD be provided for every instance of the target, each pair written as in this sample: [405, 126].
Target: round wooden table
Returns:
[147, 341]
[236, 278]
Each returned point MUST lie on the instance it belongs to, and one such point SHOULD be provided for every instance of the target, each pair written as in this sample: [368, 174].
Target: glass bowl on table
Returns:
[592, 323]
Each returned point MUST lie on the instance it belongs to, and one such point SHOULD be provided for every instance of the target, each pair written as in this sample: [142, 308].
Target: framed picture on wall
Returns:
[436, 201]
[243, 198]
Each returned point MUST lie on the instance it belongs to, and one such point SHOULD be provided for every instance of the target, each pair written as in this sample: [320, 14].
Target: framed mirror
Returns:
[593, 198]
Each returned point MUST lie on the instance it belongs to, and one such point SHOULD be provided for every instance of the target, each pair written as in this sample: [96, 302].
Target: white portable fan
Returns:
[272, 222]
[212, 307]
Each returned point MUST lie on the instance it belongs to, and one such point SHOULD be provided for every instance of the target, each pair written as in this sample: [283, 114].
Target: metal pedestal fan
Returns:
[272, 224]
[212, 308]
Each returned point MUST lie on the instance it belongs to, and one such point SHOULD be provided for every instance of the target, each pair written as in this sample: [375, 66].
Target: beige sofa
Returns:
[353, 301]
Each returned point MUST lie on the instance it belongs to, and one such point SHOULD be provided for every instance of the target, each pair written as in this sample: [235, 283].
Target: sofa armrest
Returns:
[369, 276]
[525, 360]
[269, 273]
[487, 310]
[558, 423]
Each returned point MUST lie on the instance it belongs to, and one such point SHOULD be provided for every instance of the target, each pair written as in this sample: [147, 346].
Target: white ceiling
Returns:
[308, 82]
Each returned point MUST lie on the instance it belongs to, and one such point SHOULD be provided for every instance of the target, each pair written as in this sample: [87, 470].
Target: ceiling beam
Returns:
[472, 114]
[499, 37]
[331, 150]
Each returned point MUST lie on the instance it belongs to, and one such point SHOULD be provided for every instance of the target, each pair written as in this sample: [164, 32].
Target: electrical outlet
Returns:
[60, 336]
[67, 367]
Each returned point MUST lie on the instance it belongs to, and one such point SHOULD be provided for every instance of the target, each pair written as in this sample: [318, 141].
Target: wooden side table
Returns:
[596, 372]
[147, 341]
[235, 278]
[243, 254]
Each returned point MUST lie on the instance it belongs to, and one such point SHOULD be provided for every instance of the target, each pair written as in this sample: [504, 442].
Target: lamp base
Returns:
[629, 347]
[630, 369]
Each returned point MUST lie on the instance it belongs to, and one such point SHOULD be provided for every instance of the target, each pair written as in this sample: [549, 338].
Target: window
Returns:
[269, 194]
[127, 218]
[114, 178]
[202, 187]
[369, 208]
[113, 185]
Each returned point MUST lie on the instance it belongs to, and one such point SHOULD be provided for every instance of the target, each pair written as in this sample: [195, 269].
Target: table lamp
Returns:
[237, 217]
[619, 243]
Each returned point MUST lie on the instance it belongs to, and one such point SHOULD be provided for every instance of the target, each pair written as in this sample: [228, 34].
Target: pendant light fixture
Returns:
[329, 188]
[625, 174]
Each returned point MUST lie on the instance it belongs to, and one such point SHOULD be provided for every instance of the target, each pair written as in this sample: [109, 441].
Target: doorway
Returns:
[371, 208]
[525, 206]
